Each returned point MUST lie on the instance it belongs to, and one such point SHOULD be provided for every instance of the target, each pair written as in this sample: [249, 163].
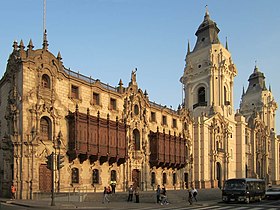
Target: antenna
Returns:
[44, 16]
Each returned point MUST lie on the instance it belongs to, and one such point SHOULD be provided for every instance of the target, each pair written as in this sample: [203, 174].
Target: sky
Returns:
[107, 39]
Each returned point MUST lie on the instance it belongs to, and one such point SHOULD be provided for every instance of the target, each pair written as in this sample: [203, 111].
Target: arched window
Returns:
[187, 152]
[164, 178]
[95, 176]
[153, 178]
[75, 175]
[113, 175]
[174, 179]
[225, 95]
[136, 136]
[201, 95]
[46, 81]
[45, 128]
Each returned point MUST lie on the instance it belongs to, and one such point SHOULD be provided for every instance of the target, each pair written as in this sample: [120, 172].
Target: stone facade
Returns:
[106, 134]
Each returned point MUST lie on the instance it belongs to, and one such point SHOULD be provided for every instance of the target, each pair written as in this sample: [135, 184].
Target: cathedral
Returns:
[69, 132]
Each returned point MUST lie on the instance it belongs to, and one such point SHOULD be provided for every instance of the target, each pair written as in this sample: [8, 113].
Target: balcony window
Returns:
[74, 92]
[153, 116]
[113, 104]
[174, 123]
[95, 99]
[164, 120]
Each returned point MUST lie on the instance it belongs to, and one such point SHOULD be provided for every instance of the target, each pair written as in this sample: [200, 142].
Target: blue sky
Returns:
[107, 39]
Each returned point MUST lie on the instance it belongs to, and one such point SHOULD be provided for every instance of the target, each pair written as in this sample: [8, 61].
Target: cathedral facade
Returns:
[92, 134]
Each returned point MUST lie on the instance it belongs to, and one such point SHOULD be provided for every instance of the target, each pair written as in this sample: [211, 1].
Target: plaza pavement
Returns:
[177, 198]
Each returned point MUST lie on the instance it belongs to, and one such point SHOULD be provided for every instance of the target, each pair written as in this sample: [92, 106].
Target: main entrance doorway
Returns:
[136, 177]
[219, 174]
[45, 178]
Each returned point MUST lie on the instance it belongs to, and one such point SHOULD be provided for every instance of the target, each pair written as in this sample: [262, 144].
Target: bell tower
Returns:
[209, 73]
[257, 99]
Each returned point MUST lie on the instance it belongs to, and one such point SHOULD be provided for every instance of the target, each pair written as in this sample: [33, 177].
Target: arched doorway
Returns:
[136, 177]
[219, 174]
[186, 180]
[45, 178]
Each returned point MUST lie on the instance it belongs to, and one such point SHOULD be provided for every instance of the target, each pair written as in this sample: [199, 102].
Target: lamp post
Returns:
[33, 135]
[59, 158]
[50, 165]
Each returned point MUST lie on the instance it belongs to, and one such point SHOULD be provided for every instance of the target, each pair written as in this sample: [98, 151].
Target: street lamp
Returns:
[60, 158]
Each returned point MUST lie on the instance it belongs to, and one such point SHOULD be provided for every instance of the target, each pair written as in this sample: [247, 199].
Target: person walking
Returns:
[105, 195]
[194, 193]
[164, 197]
[190, 197]
[13, 191]
[113, 186]
[136, 193]
[158, 194]
[130, 193]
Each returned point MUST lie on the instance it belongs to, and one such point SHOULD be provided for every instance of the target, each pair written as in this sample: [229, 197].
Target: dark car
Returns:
[272, 193]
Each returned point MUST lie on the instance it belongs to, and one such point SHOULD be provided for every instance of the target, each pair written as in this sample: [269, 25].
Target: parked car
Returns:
[272, 193]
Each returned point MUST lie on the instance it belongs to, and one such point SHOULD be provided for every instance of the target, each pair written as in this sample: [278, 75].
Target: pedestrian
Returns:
[158, 194]
[113, 186]
[130, 193]
[105, 195]
[13, 191]
[109, 191]
[163, 197]
[194, 193]
[190, 197]
[136, 193]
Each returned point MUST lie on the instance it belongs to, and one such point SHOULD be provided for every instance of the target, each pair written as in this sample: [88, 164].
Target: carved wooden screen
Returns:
[93, 135]
[161, 148]
[103, 143]
[113, 139]
[121, 140]
[167, 150]
[172, 149]
[96, 136]
[82, 133]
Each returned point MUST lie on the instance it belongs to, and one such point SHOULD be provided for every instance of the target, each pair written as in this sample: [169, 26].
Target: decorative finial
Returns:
[59, 56]
[269, 87]
[30, 45]
[21, 45]
[256, 69]
[145, 93]
[226, 43]
[120, 83]
[15, 45]
[189, 49]
[45, 41]
[206, 16]
[243, 92]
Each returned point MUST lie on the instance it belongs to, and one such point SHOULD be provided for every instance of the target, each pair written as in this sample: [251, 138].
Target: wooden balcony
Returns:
[95, 138]
[167, 150]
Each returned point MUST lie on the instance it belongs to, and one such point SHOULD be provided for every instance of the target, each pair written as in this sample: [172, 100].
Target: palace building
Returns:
[91, 133]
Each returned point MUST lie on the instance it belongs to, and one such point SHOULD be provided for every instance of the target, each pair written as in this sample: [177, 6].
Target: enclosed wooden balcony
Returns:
[167, 150]
[95, 138]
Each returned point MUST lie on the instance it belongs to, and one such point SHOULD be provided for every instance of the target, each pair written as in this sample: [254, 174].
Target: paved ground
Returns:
[118, 201]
